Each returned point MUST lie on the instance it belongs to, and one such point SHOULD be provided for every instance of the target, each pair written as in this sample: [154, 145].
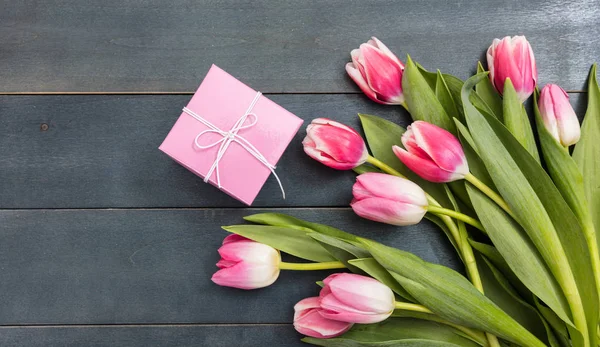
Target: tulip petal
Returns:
[235, 238]
[249, 252]
[425, 169]
[389, 212]
[358, 293]
[378, 44]
[382, 73]
[313, 324]
[389, 187]
[340, 144]
[442, 147]
[303, 306]
[357, 77]
[332, 308]
[246, 276]
[355, 317]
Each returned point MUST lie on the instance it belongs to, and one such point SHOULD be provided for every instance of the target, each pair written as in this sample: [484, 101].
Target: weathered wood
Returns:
[152, 336]
[292, 46]
[154, 266]
[101, 151]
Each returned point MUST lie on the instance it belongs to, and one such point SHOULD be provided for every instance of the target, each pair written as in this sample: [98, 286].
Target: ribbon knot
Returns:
[229, 137]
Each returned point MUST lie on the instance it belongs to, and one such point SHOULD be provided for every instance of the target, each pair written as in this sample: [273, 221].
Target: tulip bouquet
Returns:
[520, 203]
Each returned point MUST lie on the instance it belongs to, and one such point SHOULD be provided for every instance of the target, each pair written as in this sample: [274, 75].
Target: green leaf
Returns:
[516, 120]
[563, 169]
[445, 97]
[473, 335]
[491, 254]
[381, 136]
[398, 332]
[587, 151]
[500, 291]
[555, 322]
[448, 294]
[361, 169]
[341, 250]
[421, 100]
[292, 241]
[489, 95]
[539, 208]
[519, 252]
[284, 220]
[476, 166]
[453, 83]
[378, 272]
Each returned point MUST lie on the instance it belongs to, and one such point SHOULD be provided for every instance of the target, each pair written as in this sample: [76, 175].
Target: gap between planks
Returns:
[339, 208]
[192, 93]
[150, 325]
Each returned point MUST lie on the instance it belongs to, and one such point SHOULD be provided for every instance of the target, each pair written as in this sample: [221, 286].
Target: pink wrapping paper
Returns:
[222, 100]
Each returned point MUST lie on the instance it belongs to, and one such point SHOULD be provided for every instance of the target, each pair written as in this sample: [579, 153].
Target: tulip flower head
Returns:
[558, 115]
[378, 72]
[388, 199]
[356, 299]
[512, 58]
[309, 321]
[334, 144]
[432, 153]
[246, 264]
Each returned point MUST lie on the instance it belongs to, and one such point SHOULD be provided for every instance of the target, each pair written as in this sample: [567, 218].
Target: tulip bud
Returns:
[512, 58]
[334, 144]
[309, 321]
[432, 153]
[356, 299]
[246, 264]
[378, 72]
[558, 115]
[388, 199]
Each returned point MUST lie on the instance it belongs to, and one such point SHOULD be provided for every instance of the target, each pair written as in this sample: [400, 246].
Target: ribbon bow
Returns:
[229, 137]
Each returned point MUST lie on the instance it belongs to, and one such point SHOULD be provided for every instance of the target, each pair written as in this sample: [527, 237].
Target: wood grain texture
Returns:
[283, 46]
[102, 151]
[154, 266]
[151, 336]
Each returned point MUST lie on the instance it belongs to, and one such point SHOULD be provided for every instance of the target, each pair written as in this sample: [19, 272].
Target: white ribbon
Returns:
[229, 137]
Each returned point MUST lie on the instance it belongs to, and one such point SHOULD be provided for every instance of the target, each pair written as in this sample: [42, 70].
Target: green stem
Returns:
[590, 236]
[473, 334]
[383, 166]
[464, 247]
[456, 215]
[489, 192]
[404, 105]
[312, 266]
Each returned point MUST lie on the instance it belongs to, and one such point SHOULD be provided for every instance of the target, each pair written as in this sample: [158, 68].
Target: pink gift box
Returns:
[212, 120]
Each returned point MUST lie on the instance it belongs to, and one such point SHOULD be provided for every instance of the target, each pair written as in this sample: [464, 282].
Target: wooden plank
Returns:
[154, 266]
[101, 151]
[151, 336]
[292, 46]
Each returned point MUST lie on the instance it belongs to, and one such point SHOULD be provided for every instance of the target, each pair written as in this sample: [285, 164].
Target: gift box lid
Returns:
[205, 127]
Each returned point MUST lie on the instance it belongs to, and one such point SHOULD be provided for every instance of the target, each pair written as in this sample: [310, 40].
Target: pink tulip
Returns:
[388, 199]
[512, 58]
[378, 72]
[356, 299]
[432, 153]
[558, 115]
[246, 264]
[334, 144]
[308, 320]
